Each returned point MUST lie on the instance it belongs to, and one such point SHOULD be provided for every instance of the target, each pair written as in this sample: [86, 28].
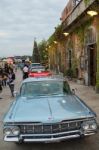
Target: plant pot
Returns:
[80, 81]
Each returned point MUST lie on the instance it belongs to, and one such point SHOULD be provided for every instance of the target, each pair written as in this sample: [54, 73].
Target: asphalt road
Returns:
[90, 143]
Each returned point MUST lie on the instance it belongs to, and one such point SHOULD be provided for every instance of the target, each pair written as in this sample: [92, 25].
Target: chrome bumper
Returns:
[41, 140]
[47, 137]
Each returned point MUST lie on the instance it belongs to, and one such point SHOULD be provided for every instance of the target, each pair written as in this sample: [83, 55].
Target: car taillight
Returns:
[31, 75]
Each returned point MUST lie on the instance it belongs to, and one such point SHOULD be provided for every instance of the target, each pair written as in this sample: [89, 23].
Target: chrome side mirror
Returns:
[74, 91]
[15, 93]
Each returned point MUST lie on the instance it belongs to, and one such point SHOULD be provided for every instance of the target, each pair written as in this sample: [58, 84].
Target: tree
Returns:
[35, 54]
[43, 52]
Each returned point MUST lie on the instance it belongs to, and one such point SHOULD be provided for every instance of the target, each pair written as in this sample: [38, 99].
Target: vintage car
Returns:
[46, 110]
[39, 72]
[34, 65]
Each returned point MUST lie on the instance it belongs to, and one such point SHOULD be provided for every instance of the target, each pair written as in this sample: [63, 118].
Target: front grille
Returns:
[50, 128]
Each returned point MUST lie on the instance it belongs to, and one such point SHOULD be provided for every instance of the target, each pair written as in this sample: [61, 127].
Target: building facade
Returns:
[80, 21]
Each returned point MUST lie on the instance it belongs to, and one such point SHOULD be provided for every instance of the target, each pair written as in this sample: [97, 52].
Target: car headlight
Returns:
[7, 131]
[93, 126]
[89, 125]
[85, 126]
[15, 130]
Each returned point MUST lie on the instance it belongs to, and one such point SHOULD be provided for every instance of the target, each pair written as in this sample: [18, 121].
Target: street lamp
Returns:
[92, 13]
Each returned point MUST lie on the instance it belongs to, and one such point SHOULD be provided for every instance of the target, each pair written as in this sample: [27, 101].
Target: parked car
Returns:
[46, 110]
[34, 65]
[39, 72]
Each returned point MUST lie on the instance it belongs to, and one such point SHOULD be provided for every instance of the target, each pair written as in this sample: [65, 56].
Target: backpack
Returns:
[13, 76]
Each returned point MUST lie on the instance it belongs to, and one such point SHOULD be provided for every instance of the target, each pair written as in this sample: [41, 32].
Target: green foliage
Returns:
[70, 42]
[80, 31]
[57, 35]
[97, 82]
[86, 2]
[35, 54]
[43, 52]
[51, 39]
[74, 67]
[70, 73]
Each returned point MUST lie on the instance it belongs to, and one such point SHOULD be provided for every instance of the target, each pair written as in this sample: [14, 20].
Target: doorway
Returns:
[92, 65]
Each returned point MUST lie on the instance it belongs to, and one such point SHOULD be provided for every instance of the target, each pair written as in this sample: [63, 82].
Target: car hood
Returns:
[47, 109]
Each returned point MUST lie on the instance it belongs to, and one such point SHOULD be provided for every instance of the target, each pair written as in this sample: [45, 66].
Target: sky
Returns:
[23, 20]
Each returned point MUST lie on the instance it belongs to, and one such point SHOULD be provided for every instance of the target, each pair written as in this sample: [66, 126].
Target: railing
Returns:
[79, 8]
[76, 2]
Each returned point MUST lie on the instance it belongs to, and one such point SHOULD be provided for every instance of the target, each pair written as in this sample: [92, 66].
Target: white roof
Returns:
[55, 78]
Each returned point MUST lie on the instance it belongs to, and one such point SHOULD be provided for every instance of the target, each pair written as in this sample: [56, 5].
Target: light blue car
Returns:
[45, 110]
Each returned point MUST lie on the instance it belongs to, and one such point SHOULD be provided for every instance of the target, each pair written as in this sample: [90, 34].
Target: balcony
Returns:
[77, 12]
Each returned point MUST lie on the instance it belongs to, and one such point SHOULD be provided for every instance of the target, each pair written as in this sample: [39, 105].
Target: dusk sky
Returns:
[23, 20]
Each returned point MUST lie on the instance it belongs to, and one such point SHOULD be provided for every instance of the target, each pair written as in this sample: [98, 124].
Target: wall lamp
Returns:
[66, 33]
[92, 13]
[55, 42]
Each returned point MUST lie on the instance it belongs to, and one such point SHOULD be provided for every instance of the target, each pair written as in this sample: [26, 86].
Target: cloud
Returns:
[22, 20]
[3, 34]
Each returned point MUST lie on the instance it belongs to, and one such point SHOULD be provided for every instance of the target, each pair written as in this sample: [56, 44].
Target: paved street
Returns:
[90, 143]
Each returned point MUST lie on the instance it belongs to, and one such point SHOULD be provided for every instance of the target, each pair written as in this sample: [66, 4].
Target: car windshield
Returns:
[35, 64]
[39, 69]
[44, 88]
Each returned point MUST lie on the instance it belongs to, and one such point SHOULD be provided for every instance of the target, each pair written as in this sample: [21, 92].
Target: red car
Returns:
[39, 72]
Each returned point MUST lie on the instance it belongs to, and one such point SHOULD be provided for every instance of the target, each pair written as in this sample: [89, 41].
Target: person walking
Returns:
[25, 72]
[15, 67]
[4, 78]
[1, 71]
[0, 85]
[6, 68]
[11, 78]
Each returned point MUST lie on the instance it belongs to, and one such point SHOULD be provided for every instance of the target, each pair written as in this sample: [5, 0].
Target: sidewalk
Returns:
[88, 95]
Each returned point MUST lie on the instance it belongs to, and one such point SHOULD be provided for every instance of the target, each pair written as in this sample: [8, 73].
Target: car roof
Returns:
[51, 78]
[35, 64]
